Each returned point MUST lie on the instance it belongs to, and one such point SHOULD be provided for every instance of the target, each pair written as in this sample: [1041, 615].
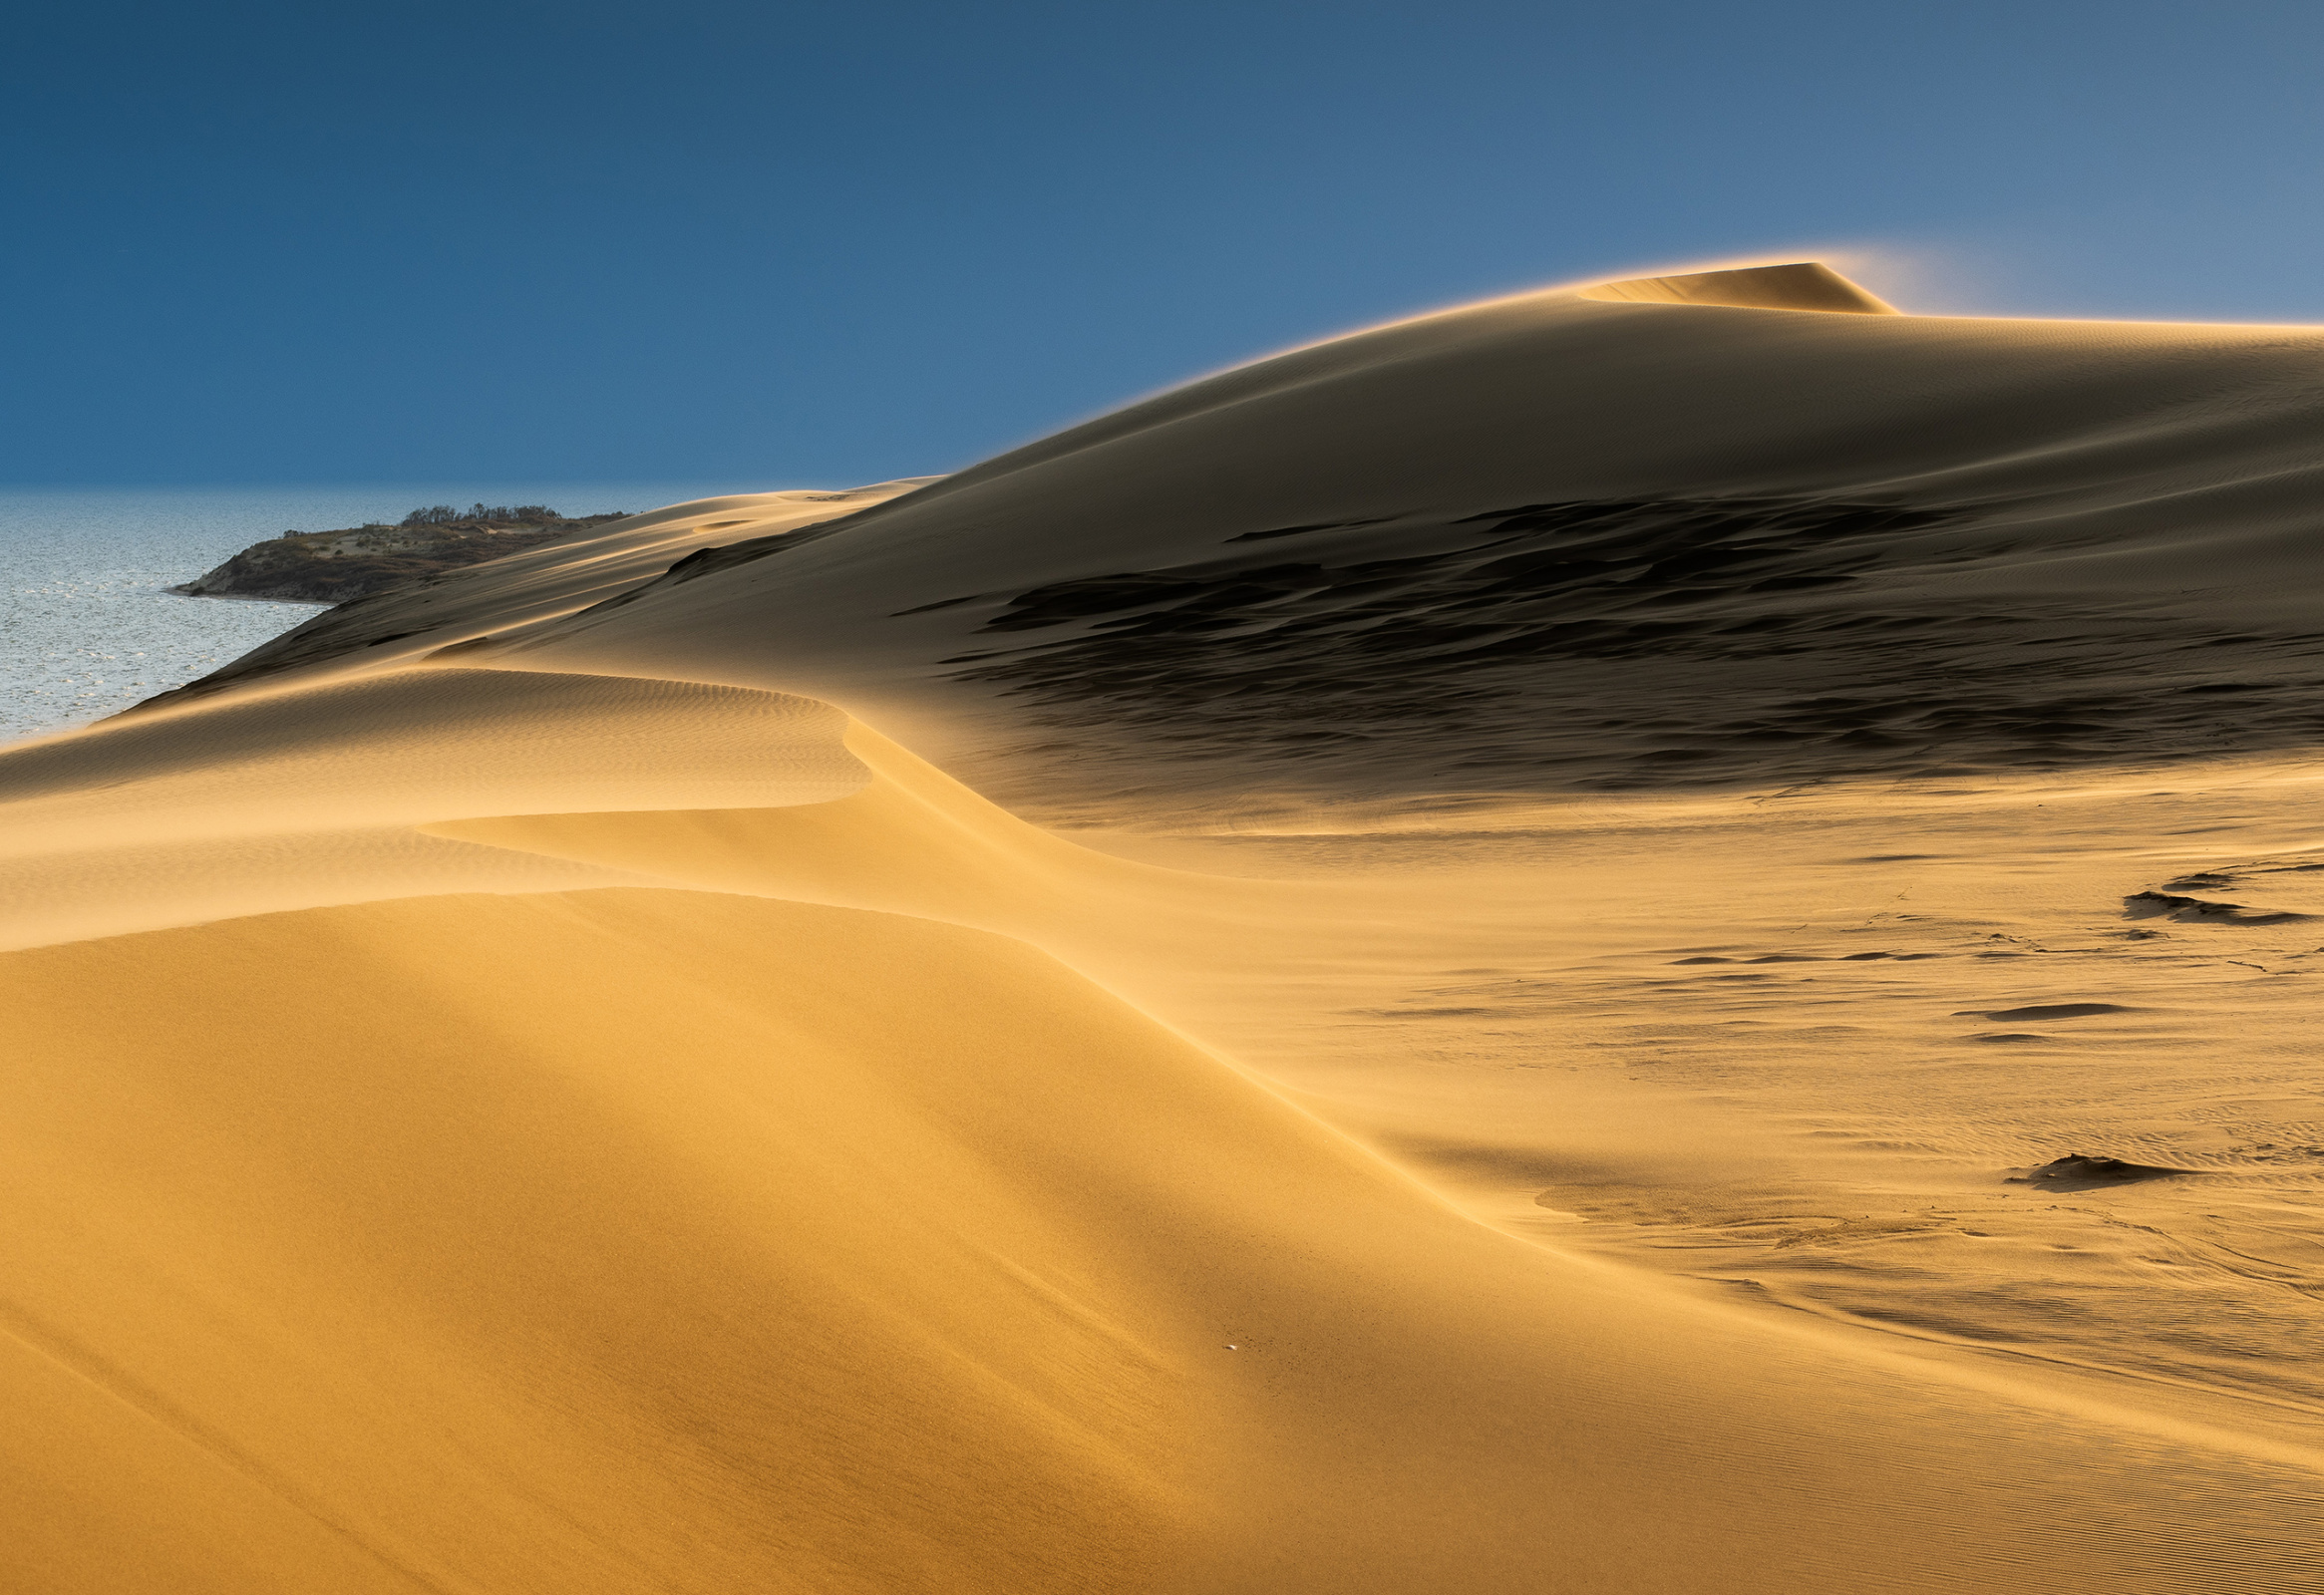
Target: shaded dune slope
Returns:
[1556, 542]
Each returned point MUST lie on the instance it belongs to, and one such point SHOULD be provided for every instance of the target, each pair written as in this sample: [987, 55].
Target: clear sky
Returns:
[816, 244]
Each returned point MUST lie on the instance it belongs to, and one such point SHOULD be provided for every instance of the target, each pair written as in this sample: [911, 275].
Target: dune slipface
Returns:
[1637, 939]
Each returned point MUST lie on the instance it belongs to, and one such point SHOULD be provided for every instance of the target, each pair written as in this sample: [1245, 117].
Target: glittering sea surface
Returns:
[87, 629]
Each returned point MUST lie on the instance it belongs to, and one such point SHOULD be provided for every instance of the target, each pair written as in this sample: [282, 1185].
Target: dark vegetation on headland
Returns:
[331, 567]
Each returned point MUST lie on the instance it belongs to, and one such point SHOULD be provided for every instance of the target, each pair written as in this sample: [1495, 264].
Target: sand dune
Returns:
[1641, 939]
[556, 578]
[1763, 544]
[275, 801]
[734, 1260]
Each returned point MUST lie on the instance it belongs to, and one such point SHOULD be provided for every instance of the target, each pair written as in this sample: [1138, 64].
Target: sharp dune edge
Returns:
[1803, 285]
[1563, 874]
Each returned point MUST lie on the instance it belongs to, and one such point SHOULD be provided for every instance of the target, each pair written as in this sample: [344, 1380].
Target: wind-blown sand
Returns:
[1563, 872]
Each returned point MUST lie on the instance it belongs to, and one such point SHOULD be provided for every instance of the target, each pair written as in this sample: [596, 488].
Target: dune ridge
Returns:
[1798, 285]
[2011, 544]
[553, 1081]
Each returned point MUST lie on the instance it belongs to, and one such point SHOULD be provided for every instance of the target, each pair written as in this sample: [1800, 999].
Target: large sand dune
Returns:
[1547, 544]
[1593, 851]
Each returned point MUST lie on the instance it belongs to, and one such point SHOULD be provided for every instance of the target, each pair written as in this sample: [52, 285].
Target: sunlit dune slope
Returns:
[915, 841]
[693, 1239]
[272, 800]
[660, 1239]
[1552, 543]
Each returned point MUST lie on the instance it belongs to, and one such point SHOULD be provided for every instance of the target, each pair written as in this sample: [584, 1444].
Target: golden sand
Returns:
[604, 1109]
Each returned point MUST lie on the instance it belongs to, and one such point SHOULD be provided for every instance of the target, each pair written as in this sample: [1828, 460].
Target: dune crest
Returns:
[1801, 285]
[317, 793]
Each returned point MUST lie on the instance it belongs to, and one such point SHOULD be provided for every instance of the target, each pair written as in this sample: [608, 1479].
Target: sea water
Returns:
[88, 627]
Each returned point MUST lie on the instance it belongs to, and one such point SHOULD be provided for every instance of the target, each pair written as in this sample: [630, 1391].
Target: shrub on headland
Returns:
[446, 514]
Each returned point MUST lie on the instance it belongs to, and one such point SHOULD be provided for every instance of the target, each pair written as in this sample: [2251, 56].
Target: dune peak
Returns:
[1798, 285]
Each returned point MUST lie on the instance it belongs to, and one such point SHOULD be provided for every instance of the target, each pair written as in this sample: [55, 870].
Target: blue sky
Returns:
[785, 245]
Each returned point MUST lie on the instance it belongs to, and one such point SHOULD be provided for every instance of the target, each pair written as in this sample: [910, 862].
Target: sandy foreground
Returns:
[1454, 961]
